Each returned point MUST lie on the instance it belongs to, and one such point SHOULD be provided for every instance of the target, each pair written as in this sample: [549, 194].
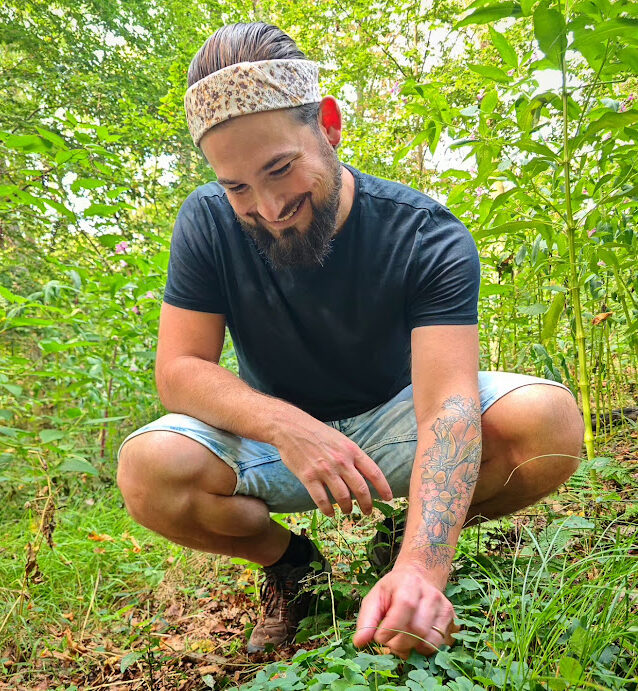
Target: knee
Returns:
[538, 429]
[555, 432]
[155, 476]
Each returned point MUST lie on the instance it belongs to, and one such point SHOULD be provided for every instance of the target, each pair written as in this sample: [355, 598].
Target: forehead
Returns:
[250, 138]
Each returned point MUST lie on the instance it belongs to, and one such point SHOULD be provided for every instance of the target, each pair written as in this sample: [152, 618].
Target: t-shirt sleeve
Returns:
[194, 280]
[445, 273]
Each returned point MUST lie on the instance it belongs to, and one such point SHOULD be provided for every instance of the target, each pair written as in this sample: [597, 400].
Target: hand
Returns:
[403, 611]
[323, 458]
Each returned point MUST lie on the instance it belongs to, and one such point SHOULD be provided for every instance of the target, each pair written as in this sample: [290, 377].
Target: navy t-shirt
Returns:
[333, 340]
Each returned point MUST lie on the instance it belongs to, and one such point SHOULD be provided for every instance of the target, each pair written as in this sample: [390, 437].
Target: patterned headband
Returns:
[249, 87]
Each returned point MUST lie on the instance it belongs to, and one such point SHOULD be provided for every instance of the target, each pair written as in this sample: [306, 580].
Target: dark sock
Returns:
[298, 552]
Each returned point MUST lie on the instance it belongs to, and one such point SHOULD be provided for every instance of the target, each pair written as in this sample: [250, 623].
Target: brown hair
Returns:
[241, 42]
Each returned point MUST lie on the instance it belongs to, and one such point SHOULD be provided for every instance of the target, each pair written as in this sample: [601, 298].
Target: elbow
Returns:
[164, 377]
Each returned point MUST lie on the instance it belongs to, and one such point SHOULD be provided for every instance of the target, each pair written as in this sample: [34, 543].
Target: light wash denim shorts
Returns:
[387, 433]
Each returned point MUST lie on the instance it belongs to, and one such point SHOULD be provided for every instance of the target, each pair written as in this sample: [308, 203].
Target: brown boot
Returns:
[286, 599]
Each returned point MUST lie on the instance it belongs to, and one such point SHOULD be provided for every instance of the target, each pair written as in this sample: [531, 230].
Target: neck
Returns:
[346, 199]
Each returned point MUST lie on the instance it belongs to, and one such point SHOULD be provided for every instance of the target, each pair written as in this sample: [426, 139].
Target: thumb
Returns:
[370, 615]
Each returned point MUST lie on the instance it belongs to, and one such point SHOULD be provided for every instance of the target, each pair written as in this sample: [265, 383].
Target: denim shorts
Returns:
[387, 433]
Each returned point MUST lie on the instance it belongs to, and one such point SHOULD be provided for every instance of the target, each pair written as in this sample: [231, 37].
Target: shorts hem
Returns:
[190, 434]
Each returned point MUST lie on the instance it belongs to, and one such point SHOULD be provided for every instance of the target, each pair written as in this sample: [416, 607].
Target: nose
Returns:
[270, 207]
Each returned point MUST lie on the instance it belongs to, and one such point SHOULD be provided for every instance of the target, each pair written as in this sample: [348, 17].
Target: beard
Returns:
[297, 248]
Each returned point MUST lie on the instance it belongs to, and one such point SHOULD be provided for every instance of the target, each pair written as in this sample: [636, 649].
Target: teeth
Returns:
[291, 214]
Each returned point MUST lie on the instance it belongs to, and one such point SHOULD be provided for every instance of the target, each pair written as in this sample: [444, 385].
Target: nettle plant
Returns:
[552, 199]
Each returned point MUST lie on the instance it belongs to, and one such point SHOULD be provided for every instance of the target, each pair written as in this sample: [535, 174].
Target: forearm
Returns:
[214, 395]
[445, 471]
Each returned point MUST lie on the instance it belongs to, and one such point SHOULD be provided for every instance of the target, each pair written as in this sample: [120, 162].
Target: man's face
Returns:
[283, 180]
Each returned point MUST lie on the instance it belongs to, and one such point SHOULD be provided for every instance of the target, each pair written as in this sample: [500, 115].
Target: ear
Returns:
[330, 119]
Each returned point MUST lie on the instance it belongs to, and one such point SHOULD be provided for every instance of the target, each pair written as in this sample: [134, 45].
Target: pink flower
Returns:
[601, 263]
[591, 232]
[121, 247]
[149, 295]
[135, 309]
[395, 88]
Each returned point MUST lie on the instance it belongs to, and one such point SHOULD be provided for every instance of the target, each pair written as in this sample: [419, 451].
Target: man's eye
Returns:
[281, 171]
[237, 189]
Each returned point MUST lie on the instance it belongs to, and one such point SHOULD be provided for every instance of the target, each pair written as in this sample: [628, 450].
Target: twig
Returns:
[88, 611]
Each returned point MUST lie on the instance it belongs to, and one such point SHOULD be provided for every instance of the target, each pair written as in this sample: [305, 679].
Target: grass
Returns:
[546, 600]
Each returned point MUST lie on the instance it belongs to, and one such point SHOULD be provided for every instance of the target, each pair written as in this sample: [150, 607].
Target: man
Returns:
[351, 301]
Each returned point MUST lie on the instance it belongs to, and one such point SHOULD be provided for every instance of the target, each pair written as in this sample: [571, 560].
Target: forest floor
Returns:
[546, 599]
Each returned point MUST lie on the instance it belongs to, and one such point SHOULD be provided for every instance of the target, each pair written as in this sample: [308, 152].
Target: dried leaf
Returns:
[100, 538]
[601, 318]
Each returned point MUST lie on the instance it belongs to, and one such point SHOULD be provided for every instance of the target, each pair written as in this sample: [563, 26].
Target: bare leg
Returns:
[179, 489]
[540, 422]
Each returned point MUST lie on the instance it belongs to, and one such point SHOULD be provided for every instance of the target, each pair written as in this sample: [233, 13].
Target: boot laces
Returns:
[277, 592]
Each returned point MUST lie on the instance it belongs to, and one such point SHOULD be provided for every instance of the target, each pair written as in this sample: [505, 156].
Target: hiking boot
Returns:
[384, 547]
[286, 599]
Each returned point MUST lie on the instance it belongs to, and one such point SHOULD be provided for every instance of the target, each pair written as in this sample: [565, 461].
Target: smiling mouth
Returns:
[292, 213]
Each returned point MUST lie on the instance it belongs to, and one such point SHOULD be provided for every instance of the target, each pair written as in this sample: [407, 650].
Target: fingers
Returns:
[341, 493]
[370, 470]
[398, 618]
[420, 636]
[319, 495]
[372, 610]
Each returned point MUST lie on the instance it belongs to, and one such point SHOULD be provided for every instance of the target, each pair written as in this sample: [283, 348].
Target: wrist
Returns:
[437, 574]
[282, 424]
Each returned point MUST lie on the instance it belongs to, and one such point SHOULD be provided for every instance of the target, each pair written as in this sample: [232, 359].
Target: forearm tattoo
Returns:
[450, 468]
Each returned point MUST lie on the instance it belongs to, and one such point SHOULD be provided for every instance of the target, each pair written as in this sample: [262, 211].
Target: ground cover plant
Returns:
[521, 117]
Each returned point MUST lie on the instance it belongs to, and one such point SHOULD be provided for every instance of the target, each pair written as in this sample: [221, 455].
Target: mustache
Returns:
[293, 205]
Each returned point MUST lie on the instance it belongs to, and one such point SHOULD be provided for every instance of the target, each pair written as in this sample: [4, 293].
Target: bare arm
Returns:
[447, 408]
[407, 608]
[190, 381]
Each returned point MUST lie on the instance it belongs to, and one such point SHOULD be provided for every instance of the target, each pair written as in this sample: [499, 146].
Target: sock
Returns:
[297, 553]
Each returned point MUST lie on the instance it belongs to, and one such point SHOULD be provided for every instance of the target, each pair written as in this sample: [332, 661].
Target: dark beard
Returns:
[308, 248]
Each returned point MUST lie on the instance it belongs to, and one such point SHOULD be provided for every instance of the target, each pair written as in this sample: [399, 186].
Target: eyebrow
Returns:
[273, 162]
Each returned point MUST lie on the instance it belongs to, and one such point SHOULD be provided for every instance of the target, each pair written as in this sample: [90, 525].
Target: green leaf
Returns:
[60, 208]
[128, 660]
[629, 57]
[12, 388]
[102, 210]
[612, 121]
[491, 13]
[11, 297]
[504, 48]
[533, 310]
[87, 184]
[49, 435]
[326, 677]
[52, 137]
[552, 316]
[507, 228]
[77, 464]
[570, 668]
[489, 102]
[550, 32]
[624, 27]
[53, 346]
[109, 240]
[490, 72]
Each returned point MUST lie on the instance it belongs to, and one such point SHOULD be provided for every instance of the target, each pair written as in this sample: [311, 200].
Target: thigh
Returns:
[388, 433]
[257, 465]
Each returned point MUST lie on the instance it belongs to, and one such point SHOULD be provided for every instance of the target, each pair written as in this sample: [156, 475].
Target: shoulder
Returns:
[206, 205]
[381, 192]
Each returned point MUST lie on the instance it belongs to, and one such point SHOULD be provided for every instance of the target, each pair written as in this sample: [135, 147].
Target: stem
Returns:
[574, 288]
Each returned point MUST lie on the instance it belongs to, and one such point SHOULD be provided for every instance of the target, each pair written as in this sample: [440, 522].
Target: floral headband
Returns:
[249, 87]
